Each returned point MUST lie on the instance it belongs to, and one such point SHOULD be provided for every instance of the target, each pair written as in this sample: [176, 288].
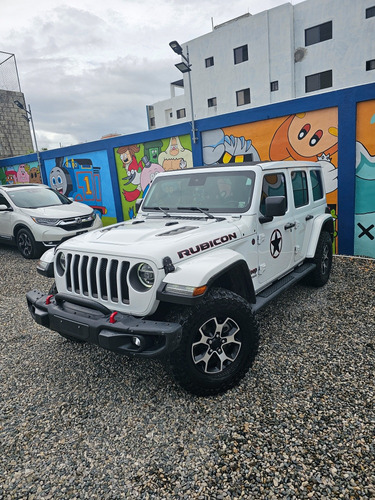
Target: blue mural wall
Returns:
[100, 174]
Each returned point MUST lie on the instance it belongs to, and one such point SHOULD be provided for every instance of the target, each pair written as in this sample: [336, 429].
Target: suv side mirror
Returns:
[4, 208]
[274, 206]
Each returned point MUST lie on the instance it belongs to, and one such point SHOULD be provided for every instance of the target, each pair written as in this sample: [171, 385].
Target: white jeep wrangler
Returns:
[183, 280]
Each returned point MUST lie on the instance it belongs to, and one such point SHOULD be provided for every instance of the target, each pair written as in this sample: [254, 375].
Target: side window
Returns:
[300, 189]
[4, 201]
[316, 182]
[273, 185]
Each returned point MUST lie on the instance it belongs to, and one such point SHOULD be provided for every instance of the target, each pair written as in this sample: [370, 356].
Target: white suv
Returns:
[34, 217]
[183, 281]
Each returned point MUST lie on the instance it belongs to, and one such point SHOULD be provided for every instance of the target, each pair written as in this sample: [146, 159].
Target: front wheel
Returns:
[27, 245]
[219, 343]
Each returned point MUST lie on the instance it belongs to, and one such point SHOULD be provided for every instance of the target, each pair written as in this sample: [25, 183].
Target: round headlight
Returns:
[61, 263]
[146, 275]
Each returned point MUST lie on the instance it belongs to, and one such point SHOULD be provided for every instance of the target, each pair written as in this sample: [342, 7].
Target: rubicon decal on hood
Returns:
[206, 245]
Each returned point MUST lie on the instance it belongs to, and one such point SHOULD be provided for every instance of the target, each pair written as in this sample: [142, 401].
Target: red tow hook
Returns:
[112, 318]
[48, 300]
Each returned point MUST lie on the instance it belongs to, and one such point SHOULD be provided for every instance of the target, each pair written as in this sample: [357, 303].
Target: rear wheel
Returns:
[219, 343]
[323, 261]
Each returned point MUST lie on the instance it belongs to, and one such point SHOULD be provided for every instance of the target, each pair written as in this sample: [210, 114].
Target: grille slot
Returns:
[97, 277]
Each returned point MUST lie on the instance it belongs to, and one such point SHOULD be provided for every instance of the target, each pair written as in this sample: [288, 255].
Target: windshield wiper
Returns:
[198, 209]
[162, 209]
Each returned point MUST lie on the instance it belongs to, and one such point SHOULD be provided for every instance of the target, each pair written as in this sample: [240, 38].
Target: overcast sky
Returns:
[88, 68]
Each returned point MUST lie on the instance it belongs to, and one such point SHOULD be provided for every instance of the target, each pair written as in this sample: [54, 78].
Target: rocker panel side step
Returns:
[269, 293]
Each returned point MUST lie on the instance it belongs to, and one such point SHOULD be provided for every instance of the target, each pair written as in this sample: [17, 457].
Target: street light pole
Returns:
[185, 67]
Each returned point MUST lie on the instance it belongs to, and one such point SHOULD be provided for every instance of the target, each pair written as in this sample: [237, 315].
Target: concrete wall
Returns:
[15, 136]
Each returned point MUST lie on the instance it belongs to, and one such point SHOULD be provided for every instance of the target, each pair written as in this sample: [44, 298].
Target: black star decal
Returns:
[276, 243]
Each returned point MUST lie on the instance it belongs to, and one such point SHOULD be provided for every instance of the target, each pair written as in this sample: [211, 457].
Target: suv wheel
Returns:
[323, 261]
[26, 244]
[219, 343]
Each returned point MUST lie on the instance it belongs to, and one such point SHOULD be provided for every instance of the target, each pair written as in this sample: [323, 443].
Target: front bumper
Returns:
[86, 320]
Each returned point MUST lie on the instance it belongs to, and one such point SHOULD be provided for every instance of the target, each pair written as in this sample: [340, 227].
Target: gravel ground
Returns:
[79, 422]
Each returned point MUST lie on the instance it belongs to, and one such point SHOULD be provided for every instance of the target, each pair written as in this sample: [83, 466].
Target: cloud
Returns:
[89, 69]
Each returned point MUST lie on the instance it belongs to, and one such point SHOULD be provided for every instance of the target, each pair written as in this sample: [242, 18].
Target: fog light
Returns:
[136, 341]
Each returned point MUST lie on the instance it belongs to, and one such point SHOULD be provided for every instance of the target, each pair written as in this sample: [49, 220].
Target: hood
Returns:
[74, 209]
[154, 239]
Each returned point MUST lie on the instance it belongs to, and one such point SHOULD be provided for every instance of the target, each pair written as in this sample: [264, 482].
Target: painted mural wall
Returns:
[310, 136]
[364, 240]
[21, 174]
[138, 164]
[112, 174]
[85, 178]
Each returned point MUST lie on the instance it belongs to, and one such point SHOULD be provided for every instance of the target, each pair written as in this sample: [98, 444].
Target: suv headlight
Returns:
[145, 275]
[44, 221]
[61, 263]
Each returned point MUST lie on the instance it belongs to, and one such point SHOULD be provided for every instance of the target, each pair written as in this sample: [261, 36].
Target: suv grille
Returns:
[76, 223]
[97, 277]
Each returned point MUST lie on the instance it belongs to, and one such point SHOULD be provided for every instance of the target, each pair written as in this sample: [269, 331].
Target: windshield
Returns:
[37, 198]
[214, 192]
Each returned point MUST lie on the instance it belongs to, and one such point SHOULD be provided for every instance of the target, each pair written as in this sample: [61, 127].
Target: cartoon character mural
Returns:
[175, 156]
[138, 165]
[133, 171]
[20, 174]
[310, 136]
[80, 178]
[219, 148]
[364, 241]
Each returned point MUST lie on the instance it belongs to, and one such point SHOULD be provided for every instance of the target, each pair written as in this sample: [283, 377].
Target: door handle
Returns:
[309, 217]
[290, 225]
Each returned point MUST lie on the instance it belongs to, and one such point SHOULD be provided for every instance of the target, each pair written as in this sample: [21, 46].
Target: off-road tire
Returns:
[323, 261]
[219, 343]
[27, 245]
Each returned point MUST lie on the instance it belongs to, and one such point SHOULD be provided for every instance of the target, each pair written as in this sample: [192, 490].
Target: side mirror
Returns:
[274, 207]
[4, 208]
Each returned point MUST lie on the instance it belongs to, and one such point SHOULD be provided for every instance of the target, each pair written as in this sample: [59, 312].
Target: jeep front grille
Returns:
[97, 277]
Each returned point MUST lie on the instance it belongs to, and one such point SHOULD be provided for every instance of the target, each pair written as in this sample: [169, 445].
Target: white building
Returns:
[287, 52]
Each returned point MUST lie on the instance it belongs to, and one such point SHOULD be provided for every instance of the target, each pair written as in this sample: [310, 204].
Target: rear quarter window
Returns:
[317, 185]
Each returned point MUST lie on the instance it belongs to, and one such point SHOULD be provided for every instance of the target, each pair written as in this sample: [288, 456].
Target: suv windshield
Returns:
[215, 192]
[37, 198]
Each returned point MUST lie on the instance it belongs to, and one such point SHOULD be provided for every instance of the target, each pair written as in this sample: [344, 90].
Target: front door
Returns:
[276, 239]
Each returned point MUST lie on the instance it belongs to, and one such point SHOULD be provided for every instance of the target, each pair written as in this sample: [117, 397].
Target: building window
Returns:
[181, 113]
[370, 65]
[318, 81]
[152, 122]
[370, 12]
[318, 33]
[243, 97]
[274, 86]
[212, 101]
[209, 62]
[240, 54]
